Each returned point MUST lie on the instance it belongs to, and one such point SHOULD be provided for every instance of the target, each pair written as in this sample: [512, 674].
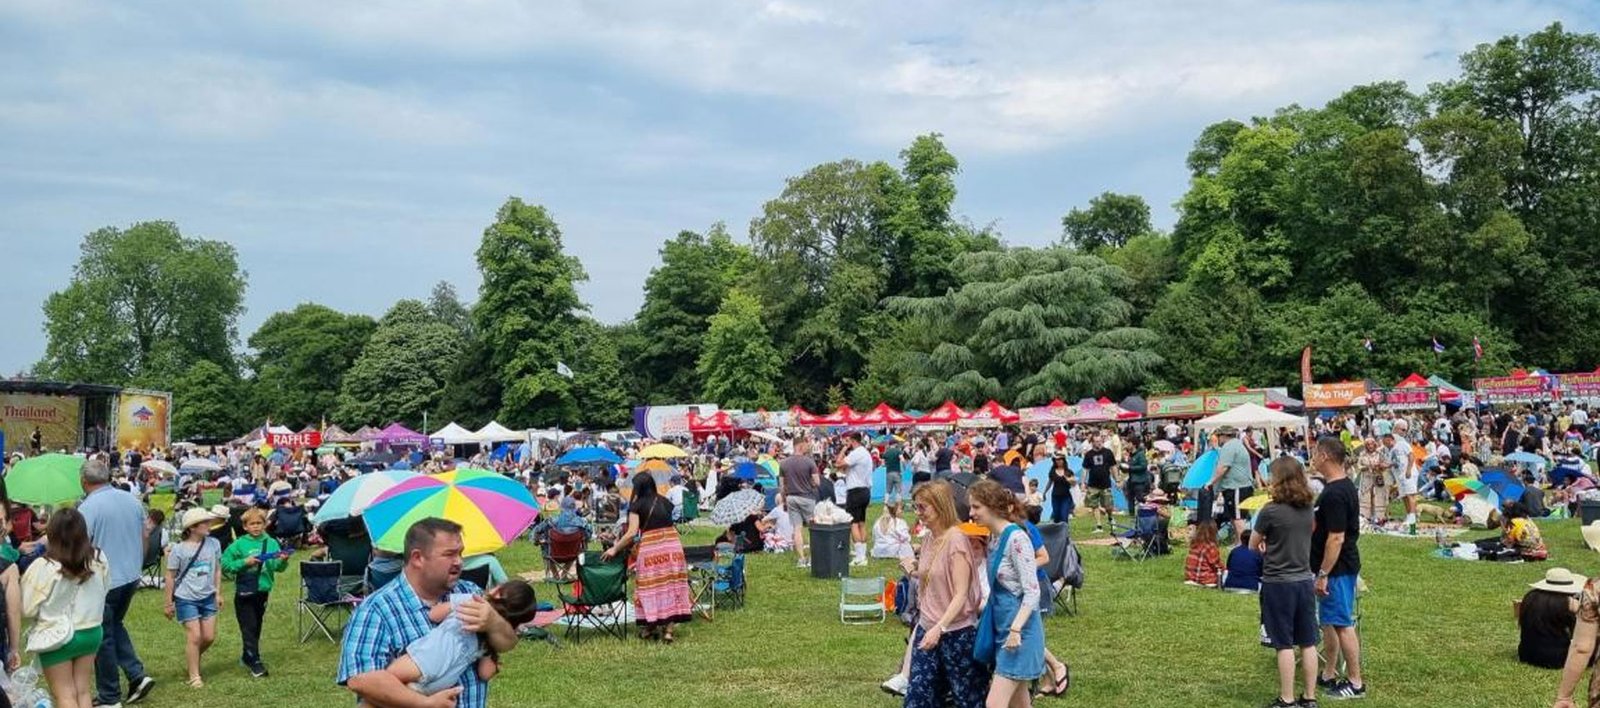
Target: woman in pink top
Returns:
[948, 600]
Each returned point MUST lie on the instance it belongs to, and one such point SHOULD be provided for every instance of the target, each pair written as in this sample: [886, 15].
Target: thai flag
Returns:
[1477, 349]
[1437, 347]
[1367, 343]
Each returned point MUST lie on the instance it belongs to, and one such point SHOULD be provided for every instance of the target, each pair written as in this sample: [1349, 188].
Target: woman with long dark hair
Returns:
[67, 586]
[661, 575]
[1059, 489]
[1546, 618]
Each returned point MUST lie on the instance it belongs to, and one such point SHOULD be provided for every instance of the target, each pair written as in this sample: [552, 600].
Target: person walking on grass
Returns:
[1337, 562]
[949, 594]
[116, 526]
[857, 466]
[1098, 464]
[1288, 595]
[194, 587]
[68, 586]
[252, 561]
[798, 480]
[1015, 643]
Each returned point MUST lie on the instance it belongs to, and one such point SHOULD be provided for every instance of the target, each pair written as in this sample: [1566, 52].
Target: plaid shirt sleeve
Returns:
[368, 642]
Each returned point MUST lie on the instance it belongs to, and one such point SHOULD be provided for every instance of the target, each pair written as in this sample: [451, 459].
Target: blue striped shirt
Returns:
[388, 621]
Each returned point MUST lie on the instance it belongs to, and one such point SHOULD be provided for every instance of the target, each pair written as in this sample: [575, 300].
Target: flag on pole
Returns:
[1367, 343]
[563, 369]
[1305, 366]
[1437, 347]
[1477, 348]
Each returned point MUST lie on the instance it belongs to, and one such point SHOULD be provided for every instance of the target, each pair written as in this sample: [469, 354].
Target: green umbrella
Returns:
[45, 480]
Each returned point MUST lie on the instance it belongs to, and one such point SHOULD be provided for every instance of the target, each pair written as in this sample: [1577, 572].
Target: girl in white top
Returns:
[891, 537]
[68, 586]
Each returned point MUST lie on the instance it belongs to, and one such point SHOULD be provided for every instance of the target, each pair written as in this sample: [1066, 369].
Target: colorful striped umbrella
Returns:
[355, 495]
[492, 509]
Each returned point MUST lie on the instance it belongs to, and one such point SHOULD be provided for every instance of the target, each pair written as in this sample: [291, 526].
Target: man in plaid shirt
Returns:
[392, 618]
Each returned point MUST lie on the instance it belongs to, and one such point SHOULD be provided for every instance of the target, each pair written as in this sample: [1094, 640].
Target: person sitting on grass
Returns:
[1244, 567]
[435, 662]
[1519, 532]
[1546, 617]
[891, 538]
[1203, 566]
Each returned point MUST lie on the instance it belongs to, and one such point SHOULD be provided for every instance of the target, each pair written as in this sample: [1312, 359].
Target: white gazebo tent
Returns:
[495, 432]
[1250, 415]
[453, 434]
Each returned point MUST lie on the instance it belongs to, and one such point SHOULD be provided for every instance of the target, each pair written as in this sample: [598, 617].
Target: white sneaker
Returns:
[803, 563]
[896, 685]
[857, 562]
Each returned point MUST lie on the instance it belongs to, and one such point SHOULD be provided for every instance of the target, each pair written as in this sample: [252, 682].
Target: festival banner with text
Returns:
[1219, 402]
[1345, 394]
[143, 421]
[1511, 389]
[1175, 406]
[1581, 387]
[56, 418]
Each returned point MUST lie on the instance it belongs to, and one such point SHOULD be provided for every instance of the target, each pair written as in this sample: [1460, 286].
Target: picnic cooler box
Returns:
[1589, 511]
[830, 550]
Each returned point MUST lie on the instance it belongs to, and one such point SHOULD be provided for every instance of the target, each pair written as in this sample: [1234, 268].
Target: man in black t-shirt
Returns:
[1337, 562]
[1097, 466]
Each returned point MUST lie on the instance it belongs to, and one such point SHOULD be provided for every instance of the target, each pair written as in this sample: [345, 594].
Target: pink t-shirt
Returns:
[937, 591]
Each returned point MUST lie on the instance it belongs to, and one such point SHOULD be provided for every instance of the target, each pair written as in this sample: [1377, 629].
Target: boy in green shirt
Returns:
[251, 561]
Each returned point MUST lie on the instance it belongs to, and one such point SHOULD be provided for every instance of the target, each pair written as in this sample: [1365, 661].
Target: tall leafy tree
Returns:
[205, 403]
[144, 304]
[680, 296]
[739, 364]
[401, 372]
[597, 380]
[1111, 219]
[300, 361]
[527, 312]
[1029, 325]
[446, 307]
[471, 396]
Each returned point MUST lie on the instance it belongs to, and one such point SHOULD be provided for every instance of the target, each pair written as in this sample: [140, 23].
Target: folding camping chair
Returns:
[151, 572]
[321, 599]
[861, 600]
[602, 598]
[702, 562]
[1138, 541]
[478, 576]
[729, 583]
[352, 552]
[691, 508]
[1065, 569]
[565, 547]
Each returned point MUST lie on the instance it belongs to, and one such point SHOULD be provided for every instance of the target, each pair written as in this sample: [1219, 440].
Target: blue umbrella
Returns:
[1526, 458]
[746, 470]
[1509, 488]
[1200, 472]
[589, 456]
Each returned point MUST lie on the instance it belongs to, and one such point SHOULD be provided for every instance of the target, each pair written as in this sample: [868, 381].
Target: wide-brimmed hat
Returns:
[220, 511]
[1560, 580]
[197, 515]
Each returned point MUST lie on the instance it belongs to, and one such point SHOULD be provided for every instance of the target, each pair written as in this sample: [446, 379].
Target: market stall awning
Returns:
[948, 413]
[1250, 415]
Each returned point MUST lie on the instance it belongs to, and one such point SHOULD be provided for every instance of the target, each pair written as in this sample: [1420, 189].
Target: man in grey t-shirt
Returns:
[798, 479]
[1233, 478]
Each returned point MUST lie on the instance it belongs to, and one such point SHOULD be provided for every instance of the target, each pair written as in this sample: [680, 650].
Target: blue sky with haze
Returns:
[354, 152]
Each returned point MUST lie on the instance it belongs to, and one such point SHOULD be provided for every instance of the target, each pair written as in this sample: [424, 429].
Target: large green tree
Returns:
[597, 380]
[680, 296]
[1111, 219]
[739, 364]
[206, 403]
[300, 361]
[401, 372]
[527, 313]
[144, 304]
[1027, 326]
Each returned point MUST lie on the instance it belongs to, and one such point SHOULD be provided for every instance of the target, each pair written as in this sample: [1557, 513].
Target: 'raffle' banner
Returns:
[292, 440]
[1345, 394]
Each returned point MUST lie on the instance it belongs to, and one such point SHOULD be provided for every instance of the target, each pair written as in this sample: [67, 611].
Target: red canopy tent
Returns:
[1416, 380]
[884, 415]
[991, 414]
[718, 422]
[948, 413]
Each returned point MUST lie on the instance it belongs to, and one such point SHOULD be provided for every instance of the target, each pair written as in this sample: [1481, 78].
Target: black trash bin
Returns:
[1589, 511]
[830, 550]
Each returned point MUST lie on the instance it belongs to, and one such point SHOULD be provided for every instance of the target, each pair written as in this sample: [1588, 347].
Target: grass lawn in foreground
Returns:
[1437, 633]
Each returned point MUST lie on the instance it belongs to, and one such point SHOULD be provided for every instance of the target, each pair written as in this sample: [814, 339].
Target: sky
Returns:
[354, 152]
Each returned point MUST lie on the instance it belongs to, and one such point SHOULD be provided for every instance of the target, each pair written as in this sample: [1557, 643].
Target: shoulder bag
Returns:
[53, 629]
[984, 646]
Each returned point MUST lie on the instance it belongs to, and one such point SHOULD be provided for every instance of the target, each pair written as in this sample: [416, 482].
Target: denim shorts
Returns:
[191, 610]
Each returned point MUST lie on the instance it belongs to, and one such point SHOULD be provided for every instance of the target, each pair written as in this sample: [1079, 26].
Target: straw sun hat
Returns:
[1560, 580]
[197, 515]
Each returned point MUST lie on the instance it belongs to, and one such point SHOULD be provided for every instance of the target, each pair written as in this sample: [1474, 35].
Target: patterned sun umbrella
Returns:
[492, 509]
[354, 496]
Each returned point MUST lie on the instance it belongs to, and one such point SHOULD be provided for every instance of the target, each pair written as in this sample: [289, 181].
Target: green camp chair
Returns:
[602, 599]
[691, 507]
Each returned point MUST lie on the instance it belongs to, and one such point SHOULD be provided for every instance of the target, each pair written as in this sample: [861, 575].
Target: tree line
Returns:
[1368, 228]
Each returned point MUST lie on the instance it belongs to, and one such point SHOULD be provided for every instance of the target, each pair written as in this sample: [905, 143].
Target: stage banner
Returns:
[1400, 399]
[143, 420]
[1219, 402]
[1345, 394]
[1174, 406]
[55, 417]
[1511, 389]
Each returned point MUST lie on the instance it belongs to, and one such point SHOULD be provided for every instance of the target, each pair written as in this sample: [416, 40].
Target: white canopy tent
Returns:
[495, 432]
[1250, 415]
[453, 434]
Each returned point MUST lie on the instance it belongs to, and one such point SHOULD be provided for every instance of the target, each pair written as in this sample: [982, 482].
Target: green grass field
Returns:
[1437, 633]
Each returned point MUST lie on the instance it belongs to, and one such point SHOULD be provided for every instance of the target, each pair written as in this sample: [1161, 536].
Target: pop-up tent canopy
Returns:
[1464, 396]
[495, 432]
[453, 434]
[1447, 393]
[397, 434]
[990, 415]
[1250, 415]
[947, 413]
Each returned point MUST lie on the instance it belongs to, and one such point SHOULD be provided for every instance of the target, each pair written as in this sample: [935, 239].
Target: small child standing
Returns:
[194, 586]
[252, 560]
[436, 661]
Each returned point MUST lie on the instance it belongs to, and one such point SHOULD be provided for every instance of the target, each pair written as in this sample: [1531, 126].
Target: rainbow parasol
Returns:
[492, 509]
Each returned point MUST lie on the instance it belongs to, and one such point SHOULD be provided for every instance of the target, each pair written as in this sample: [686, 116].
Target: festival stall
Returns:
[1466, 397]
[1178, 405]
[1102, 410]
[989, 415]
[885, 416]
[1582, 387]
[947, 414]
[1519, 387]
[453, 434]
[1053, 413]
[494, 432]
[1328, 396]
[397, 435]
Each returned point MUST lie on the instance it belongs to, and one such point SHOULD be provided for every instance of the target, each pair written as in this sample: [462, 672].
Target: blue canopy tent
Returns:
[589, 456]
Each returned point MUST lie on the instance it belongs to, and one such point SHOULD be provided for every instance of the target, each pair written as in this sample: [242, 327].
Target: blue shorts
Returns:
[1338, 609]
[191, 610]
